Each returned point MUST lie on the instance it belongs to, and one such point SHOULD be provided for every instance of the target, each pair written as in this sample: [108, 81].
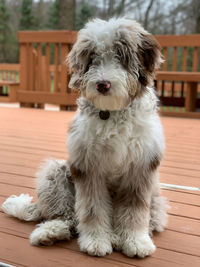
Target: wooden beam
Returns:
[68, 37]
[178, 76]
[192, 115]
[46, 97]
[178, 40]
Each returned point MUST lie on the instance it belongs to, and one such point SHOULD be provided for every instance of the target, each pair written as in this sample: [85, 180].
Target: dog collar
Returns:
[104, 115]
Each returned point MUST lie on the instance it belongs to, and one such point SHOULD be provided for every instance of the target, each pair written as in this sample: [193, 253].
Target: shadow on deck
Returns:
[27, 136]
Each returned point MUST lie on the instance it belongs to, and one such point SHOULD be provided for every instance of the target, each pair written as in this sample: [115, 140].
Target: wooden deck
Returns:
[27, 136]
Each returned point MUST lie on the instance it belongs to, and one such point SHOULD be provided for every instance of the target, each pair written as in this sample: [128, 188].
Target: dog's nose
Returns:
[103, 86]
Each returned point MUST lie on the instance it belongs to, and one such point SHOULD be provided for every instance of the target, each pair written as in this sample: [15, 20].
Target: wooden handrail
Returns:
[68, 37]
[9, 67]
[179, 40]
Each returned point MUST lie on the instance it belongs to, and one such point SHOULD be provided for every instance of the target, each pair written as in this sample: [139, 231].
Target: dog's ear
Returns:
[80, 55]
[150, 58]
[78, 60]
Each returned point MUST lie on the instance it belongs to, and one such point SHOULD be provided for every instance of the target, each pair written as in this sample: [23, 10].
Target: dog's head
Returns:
[112, 62]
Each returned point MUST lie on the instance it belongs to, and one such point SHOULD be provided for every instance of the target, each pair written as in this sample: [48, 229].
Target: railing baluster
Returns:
[184, 65]
[174, 63]
[56, 69]
[195, 59]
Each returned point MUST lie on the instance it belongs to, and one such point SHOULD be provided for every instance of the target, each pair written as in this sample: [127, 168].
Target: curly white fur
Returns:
[16, 205]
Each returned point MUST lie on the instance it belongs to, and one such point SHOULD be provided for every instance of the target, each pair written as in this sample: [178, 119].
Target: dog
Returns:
[108, 191]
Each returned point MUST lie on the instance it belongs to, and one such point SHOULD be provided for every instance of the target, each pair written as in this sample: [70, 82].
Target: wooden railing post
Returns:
[24, 72]
[23, 67]
[191, 96]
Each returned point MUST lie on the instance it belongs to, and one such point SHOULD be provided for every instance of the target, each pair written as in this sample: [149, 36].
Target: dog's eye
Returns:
[92, 55]
[88, 65]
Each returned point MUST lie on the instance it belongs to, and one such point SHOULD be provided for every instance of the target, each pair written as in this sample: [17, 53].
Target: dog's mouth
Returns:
[104, 94]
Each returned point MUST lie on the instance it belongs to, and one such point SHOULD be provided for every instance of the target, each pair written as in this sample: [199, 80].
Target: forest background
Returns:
[157, 16]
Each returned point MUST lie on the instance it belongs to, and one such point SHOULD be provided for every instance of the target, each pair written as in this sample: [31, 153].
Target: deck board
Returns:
[28, 136]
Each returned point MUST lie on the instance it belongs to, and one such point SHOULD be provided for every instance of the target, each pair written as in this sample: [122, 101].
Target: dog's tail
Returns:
[22, 208]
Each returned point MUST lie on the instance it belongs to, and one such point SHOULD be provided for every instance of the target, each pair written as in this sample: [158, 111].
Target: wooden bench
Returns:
[182, 64]
[9, 74]
[43, 71]
[12, 95]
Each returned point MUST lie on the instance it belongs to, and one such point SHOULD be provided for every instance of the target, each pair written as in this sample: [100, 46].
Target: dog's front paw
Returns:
[95, 246]
[140, 245]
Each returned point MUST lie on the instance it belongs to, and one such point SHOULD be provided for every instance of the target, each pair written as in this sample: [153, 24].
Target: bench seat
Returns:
[13, 87]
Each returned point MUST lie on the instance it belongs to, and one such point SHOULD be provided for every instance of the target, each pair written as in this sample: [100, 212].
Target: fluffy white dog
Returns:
[108, 191]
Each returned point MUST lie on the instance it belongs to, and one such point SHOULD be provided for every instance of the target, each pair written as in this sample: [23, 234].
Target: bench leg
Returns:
[26, 105]
[1, 90]
[191, 96]
[71, 108]
[13, 93]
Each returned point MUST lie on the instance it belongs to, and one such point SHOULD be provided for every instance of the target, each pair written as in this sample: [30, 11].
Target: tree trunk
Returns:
[197, 28]
[67, 14]
[146, 15]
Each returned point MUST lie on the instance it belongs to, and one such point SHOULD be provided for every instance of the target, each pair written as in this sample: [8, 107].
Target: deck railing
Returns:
[178, 79]
[44, 76]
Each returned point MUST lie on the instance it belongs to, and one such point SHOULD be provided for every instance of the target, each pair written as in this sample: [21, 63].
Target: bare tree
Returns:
[67, 14]
[146, 14]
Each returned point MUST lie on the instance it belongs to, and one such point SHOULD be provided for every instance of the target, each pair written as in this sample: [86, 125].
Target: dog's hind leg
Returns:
[48, 232]
[22, 208]
[55, 192]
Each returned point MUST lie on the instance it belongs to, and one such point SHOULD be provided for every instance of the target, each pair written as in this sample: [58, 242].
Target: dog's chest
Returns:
[104, 144]
[109, 146]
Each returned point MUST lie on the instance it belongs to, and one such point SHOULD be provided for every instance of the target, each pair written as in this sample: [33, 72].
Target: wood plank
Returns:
[185, 54]
[24, 67]
[7, 83]
[68, 37]
[179, 242]
[164, 66]
[31, 67]
[9, 66]
[39, 69]
[191, 115]
[47, 62]
[64, 77]
[174, 60]
[46, 97]
[56, 74]
[181, 197]
[195, 59]
[179, 179]
[191, 96]
[185, 210]
[192, 173]
[179, 40]
[178, 76]
[183, 225]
